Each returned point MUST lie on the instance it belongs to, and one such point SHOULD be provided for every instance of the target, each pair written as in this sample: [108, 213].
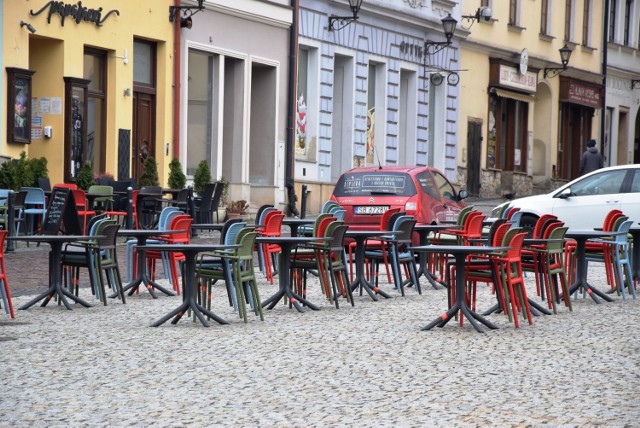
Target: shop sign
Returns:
[581, 93]
[76, 11]
[510, 77]
[412, 49]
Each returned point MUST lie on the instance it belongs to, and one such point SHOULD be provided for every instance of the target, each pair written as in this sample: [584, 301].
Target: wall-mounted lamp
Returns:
[483, 13]
[127, 92]
[635, 84]
[187, 13]
[29, 26]
[124, 58]
[343, 21]
[449, 26]
[565, 54]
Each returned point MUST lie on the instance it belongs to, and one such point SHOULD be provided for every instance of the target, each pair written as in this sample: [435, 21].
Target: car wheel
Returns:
[528, 222]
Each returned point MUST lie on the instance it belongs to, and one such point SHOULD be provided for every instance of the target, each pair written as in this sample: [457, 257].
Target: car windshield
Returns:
[374, 183]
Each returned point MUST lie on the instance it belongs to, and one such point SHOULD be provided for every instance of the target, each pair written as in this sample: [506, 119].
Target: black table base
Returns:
[360, 281]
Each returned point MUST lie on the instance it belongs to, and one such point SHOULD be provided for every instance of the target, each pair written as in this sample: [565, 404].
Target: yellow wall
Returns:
[497, 39]
[56, 51]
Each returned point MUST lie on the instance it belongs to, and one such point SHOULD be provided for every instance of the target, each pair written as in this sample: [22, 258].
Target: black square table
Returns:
[460, 252]
[361, 236]
[189, 285]
[55, 271]
[286, 243]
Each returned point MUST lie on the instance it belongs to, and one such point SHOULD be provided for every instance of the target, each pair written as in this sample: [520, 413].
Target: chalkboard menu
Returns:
[62, 215]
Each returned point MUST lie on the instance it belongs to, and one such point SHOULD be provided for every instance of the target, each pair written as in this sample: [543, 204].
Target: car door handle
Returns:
[612, 202]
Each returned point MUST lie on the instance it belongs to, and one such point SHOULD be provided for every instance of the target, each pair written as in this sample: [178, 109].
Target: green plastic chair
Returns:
[102, 203]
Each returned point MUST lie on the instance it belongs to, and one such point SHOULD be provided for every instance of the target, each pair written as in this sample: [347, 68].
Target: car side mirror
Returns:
[463, 194]
[565, 193]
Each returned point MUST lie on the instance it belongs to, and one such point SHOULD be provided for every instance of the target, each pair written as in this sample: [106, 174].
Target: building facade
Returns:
[234, 96]
[526, 115]
[621, 126]
[88, 81]
[365, 91]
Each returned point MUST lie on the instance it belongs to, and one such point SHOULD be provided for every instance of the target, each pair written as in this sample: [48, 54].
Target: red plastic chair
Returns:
[4, 291]
[82, 206]
[272, 227]
[183, 223]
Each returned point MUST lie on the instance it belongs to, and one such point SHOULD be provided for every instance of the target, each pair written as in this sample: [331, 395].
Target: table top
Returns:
[293, 220]
[435, 227]
[464, 249]
[591, 233]
[51, 238]
[147, 232]
[207, 226]
[289, 239]
[188, 247]
[366, 233]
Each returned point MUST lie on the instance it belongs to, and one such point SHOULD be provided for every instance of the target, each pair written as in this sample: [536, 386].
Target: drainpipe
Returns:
[605, 43]
[176, 85]
[291, 112]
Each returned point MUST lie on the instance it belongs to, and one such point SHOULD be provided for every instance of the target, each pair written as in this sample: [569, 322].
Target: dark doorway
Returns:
[474, 147]
[143, 131]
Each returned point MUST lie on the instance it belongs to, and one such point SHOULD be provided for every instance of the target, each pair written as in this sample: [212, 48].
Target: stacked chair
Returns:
[5, 293]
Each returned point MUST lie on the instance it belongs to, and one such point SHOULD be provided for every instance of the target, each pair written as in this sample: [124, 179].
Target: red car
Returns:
[423, 192]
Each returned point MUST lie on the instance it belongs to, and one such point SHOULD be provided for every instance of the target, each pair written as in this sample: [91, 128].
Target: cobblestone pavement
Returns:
[367, 365]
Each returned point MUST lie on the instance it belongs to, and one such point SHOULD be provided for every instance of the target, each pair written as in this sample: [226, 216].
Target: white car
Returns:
[584, 202]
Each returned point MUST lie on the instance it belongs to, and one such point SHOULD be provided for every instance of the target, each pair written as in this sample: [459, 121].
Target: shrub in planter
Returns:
[177, 179]
[84, 179]
[149, 173]
[202, 176]
[38, 169]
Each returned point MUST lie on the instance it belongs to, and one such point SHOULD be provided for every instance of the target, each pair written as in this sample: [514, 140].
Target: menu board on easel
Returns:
[62, 215]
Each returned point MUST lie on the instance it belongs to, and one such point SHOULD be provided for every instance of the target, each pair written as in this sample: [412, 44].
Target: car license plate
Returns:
[371, 209]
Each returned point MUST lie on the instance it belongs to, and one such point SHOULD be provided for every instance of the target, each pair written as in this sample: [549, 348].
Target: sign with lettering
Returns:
[511, 78]
[77, 12]
[62, 215]
[578, 92]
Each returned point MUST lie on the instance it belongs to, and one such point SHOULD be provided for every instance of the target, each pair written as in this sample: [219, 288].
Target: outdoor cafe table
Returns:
[189, 286]
[294, 223]
[460, 252]
[423, 231]
[360, 236]
[142, 277]
[581, 237]
[55, 271]
[286, 243]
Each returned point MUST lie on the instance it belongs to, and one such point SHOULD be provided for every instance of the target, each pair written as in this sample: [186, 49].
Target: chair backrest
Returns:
[515, 218]
[509, 235]
[404, 229]
[182, 196]
[609, 217]
[317, 222]
[261, 209]
[108, 235]
[540, 223]
[273, 227]
[550, 226]
[226, 226]
[510, 212]
[327, 205]
[166, 224]
[35, 196]
[384, 220]
[44, 183]
[80, 198]
[217, 195]
[121, 185]
[71, 186]
[232, 232]
[494, 226]
[162, 219]
[557, 233]
[151, 190]
[322, 226]
[336, 231]
[499, 234]
[181, 222]
[207, 195]
[260, 219]
[246, 240]
[462, 215]
[18, 201]
[614, 220]
[393, 219]
[101, 189]
[514, 253]
[623, 227]
[95, 219]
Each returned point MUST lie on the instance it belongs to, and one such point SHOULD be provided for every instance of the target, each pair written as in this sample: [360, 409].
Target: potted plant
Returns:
[201, 177]
[177, 179]
[84, 179]
[149, 173]
[236, 209]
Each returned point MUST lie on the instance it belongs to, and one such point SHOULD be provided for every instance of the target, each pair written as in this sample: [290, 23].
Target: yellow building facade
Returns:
[525, 118]
[88, 81]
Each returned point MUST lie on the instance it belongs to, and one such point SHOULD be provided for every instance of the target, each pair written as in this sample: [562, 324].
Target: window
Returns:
[606, 183]
[544, 17]
[612, 22]
[446, 189]
[507, 143]
[513, 12]
[586, 17]
[94, 71]
[628, 7]
[484, 3]
[568, 13]
[200, 109]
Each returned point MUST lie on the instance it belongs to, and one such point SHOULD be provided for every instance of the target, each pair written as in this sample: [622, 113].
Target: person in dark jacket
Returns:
[591, 159]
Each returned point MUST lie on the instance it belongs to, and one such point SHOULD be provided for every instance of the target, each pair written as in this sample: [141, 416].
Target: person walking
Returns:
[591, 159]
